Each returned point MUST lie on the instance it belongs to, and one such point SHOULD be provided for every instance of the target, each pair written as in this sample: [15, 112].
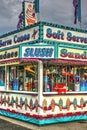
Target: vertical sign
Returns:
[29, 13]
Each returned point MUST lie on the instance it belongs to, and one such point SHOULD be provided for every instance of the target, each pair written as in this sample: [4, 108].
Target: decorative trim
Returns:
[43, 23]
[67, 93]
[19, 92]
[63, 61]
[19, 60]
[41, 120]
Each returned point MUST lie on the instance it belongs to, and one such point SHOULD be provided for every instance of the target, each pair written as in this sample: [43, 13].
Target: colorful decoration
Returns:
[30, 14]
[4, 100]
[20, 21]
[49, 108]
[12, 101]
[31, 104]
[75, 103]
[60, 104]
[36, 105]
[26, 102]
[53, 105]
[44, 105]
[19, 103]
[81, 103]
[16, 102]
[68, 104]
[8, 101]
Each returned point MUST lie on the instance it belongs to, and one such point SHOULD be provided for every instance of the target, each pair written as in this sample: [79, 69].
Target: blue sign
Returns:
[38, 52]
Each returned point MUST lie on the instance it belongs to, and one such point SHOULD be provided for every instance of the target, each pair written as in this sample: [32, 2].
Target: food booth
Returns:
[43, 74]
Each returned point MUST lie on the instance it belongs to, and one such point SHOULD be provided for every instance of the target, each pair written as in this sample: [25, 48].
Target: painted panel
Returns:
[63, 104]
[54, 109]
[19, 103]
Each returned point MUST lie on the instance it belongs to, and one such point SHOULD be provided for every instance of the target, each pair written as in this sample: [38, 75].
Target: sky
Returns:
[54, 11]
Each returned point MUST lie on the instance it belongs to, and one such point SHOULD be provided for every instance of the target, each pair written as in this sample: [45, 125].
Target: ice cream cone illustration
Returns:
[81, 103]
[44, 105]
[21, 103]
[4, 100]
[16, 102]
[75, 103]
[60, 104]
[25, 103]
[31, 104]
[52, 105]
[36, 105]
[75, 106]
[12, 101]
[68, 104]
[8, 101]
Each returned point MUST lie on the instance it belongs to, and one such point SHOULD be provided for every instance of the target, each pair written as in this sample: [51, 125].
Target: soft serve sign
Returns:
[58, 34]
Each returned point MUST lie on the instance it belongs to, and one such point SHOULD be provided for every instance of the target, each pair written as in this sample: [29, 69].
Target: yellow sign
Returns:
[73, 54]
[9, 54]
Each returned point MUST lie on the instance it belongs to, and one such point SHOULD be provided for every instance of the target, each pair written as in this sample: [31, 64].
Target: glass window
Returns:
[31, 77]
[23, 77]
[63, 78]
[2, 76]
[13, 79]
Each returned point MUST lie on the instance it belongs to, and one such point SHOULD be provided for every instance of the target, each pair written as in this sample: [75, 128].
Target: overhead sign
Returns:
[20, 37]
[63, 35]
[38, 52]
[9, 54]
[73, 54]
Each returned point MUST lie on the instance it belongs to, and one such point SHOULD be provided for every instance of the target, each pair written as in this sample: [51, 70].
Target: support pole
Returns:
[40, 85]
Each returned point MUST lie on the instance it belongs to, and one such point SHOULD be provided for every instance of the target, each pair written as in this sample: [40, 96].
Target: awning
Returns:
[17, 60]
[64, 61]
[52, 61]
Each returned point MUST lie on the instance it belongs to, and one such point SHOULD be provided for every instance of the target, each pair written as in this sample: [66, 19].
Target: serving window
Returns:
[23, 77]
[64, 78]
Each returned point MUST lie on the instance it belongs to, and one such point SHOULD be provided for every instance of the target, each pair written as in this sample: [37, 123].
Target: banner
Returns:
[37, 6]
[20, 21]
[77, 10]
